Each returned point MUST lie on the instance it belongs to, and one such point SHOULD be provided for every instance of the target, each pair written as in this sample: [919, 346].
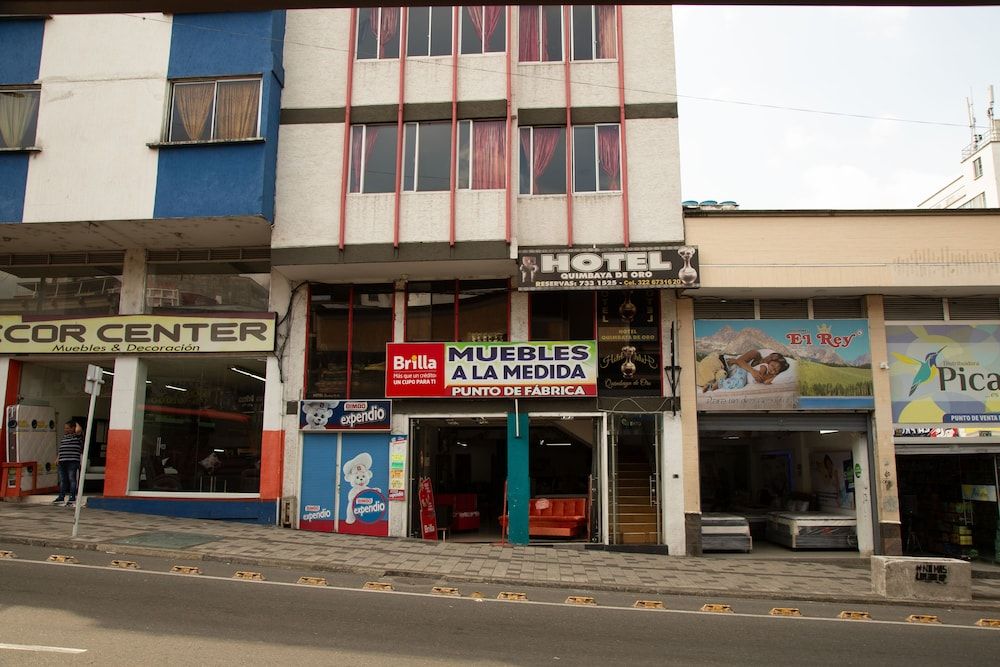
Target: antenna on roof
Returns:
[972, 121]
[989, 105]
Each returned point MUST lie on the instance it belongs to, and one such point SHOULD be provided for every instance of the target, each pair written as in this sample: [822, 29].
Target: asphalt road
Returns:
[119, 617]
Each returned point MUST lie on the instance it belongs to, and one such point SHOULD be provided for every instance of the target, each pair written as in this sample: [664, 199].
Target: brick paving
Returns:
[846, 578]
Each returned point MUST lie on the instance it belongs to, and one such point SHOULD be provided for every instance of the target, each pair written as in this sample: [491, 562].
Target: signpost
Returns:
[95, 378]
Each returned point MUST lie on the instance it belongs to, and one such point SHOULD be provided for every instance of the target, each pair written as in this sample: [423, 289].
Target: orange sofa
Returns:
[555, 517]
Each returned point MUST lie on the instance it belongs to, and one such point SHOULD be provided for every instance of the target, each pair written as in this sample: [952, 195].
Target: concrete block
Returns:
[910, 578]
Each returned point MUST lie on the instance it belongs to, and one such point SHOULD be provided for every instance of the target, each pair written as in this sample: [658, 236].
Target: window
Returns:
[428, 31]
[977, 167]
[373, 158]
[453, 310]
[543, 160]
[594, 32]
[482, 154]
[484, 29]
[596, 158]
[427, 156]
[540, 33]
[378, 33]
[979, 201]
[562, 315]
[348, 324]
[218, 110]
[18, 117]
[89, 294]
[169, 289]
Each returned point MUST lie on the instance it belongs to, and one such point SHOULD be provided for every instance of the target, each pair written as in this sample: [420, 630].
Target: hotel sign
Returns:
[140, 334]
[651, 267]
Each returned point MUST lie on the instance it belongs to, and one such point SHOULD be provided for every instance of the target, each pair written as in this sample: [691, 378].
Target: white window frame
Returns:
[593, 36]
[215, 101]
[471, 124]
[567, 138]
[25, 89]
[597, 158]
[415, 167]
[977, 168]
[378, 37]
[430, 30]
[483, 52]
[562, 39]
[364, 160]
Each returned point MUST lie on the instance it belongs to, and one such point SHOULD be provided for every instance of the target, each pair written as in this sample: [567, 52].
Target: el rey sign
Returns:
[609, 268]
[491, 370]
[250, 332]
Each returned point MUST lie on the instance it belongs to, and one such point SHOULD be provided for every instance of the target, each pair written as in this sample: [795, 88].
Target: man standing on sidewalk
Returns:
[70, 453]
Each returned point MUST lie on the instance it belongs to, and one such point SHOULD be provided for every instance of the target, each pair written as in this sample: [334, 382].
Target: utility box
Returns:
[911, 578]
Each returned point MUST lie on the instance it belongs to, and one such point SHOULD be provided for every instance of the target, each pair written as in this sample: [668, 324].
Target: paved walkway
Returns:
[844, 579]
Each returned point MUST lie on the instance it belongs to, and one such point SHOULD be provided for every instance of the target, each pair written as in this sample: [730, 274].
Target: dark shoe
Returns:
[57, 500]
[70, 503]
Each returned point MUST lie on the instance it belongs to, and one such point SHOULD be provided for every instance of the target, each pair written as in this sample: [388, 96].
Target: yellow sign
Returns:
[139, 334]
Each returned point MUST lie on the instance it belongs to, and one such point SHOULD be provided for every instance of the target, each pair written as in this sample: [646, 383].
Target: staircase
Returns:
[636, 520]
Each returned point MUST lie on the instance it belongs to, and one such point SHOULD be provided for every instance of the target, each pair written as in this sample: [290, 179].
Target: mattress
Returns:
[725, 532]
[812, 530]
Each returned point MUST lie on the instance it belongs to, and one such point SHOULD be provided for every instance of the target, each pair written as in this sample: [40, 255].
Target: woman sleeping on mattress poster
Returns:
[752, 367]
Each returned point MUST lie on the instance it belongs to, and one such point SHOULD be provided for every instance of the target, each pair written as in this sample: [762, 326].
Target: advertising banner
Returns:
[783, 365]
[232, 332]
[944, 374]
[651, 267]
[628, 341]
[832, 475]
[491, 370]
[334, 416]
[428, 518]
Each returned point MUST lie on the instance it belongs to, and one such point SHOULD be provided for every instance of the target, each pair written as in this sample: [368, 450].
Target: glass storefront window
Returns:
[85, 294]
[562, 316]
[349, 327]
[202, 425]
[450, 310]
[225, 292]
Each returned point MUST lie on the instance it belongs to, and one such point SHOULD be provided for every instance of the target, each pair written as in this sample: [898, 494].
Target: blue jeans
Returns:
[69, 476]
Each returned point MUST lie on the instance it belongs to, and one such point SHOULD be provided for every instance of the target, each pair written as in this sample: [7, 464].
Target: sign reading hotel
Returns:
[609, 268]
[491, 370]
[944, 374]
[242, 332]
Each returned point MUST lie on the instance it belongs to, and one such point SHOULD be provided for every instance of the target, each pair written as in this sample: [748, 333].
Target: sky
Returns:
[882, 63]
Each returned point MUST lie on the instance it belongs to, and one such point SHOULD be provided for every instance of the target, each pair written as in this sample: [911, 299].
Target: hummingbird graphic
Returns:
[928, 367]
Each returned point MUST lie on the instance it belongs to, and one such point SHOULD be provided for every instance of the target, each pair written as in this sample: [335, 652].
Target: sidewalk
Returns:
[840, 579]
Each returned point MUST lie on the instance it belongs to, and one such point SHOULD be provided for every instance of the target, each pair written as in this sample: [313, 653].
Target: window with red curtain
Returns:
[596, 158]
[540, 33]
[373, 158]
[594, 32]
[482, 154]
[378, 33]
[484, 29]
[543, 160]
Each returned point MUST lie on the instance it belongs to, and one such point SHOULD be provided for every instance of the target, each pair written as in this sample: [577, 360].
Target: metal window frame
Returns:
[215, 102]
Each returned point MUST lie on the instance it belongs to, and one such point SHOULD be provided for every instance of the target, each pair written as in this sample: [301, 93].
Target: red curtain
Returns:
[607, 28]
[357, 160]
[609, 155]
[489, 143]
[387, 21]
[545, 139]
[528, 16]
[491, 18]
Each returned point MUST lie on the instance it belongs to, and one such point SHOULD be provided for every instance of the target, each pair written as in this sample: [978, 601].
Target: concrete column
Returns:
[518, 482]
[125, 428]
[689, 427]
[884, 475]
[133, 296]
[863, 496]
[671, 491]
[519, 308]
[273, 444]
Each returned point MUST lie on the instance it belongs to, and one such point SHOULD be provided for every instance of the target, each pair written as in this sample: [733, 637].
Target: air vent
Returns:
[784, 309]
[913, 308]
[29, 260]
[741, 309]
[208, 255]
[833, 308]
[974, 308]
[193, 255]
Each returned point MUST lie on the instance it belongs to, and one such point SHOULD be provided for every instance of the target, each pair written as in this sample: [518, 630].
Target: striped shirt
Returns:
[71, 447]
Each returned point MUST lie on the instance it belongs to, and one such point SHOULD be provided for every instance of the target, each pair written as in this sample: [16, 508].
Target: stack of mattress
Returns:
[812, 530]
[725, 532]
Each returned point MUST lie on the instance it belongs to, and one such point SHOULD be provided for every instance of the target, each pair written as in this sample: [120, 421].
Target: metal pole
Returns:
[86, 453]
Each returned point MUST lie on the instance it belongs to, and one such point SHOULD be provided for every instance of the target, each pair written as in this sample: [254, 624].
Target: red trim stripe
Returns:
[621, 130]
[348, 98]
[567, 32]
[452, 223]
[403, 19]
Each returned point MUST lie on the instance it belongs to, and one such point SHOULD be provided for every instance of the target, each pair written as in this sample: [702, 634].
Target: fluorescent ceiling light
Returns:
[107, 372]
[243, 371]
[824, 432]
[557, 444]
[170, 386]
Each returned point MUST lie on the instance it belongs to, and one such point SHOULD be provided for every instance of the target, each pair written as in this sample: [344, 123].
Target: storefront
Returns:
[944, 385]
[783, 434]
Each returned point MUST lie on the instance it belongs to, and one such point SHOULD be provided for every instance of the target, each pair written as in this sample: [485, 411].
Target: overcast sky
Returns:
[882, 62]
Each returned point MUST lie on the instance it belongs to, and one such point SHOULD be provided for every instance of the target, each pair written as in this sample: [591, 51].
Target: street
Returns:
[118, 617]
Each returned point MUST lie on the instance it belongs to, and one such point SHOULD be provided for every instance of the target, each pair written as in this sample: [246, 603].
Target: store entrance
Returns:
[948, 505]
[53, 391]
[634, 471]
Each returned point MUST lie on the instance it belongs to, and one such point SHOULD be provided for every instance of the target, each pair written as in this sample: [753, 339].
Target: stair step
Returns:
[637, 538]
[638, 526]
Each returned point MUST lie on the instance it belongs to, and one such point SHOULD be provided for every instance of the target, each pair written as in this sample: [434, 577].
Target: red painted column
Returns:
[118, 457]
[272, 456]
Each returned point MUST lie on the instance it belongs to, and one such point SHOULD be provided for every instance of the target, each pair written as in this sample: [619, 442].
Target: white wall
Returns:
[315, 58]
[307, 185]
[103, 95]
[654, 181]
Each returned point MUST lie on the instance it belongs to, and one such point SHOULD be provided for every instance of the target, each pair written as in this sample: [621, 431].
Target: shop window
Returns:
[484, 29]
[202, 425]
[428, 31]
[378, 33]
[373, 158]
[543, 160]
[452, 310]
[349, 327]
[562, 316]
[596, 158]
[482, 154]
[427, 156]
[540, 33]
[65, 295]
[18, 117]
[167, 291]
[214, 110]
[594, 32]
